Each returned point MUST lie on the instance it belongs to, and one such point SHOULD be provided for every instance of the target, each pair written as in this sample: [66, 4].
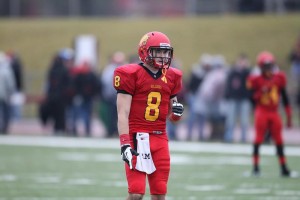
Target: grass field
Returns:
[49, 168]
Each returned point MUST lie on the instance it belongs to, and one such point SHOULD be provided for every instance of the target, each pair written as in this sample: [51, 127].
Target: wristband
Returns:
[124, 139]
[174, 118]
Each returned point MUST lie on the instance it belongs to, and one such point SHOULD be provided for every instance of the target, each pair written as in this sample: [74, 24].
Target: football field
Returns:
[61, 168]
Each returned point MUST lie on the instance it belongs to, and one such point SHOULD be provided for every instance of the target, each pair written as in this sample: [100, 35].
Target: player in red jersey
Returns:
[146, 99]
[268, 88]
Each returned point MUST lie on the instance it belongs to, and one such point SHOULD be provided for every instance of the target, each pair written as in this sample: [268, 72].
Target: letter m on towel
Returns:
[146, 156]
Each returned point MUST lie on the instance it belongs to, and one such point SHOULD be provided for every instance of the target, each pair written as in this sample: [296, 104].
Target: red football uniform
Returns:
[266, 94]
[267, 91]
[151, 94]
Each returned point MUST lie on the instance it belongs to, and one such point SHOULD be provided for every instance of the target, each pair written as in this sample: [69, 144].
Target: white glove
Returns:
[127, 153]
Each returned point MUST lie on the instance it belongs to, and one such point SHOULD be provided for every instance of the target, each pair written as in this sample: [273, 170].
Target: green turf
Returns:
[43, 173]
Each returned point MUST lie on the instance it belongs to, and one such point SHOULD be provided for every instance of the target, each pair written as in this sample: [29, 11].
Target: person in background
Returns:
[294, 58]
[68, 58]
[18, 98]
[146, 99]
[108, 106]
[54, 106]
[133, 58]
[198, 74]
[209, 103]
[237, 99]
[86, 89]
[267, 89]
[7, 88]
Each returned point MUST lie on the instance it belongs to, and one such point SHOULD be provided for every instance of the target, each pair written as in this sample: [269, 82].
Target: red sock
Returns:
[281, 160]
[255, 159]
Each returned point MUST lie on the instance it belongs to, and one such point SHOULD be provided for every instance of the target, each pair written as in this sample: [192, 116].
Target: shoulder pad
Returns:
[128, 69]
[176, 71]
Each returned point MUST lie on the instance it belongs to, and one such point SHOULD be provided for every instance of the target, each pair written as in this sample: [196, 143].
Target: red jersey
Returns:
[267, 91]
[150, 95]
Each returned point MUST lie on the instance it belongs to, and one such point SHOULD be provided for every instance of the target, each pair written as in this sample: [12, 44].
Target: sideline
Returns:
[175, 146]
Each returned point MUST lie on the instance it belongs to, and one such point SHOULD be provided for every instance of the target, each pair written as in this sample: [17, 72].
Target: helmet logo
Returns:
[144, 40]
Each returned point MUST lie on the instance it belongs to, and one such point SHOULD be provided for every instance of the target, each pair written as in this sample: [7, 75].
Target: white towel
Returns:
[144, 161]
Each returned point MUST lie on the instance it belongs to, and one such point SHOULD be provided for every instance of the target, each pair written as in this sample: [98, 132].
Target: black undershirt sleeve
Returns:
[285, 99]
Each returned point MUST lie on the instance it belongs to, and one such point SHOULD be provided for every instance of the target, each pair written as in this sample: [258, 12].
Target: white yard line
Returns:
[53, 198]
[190, 147]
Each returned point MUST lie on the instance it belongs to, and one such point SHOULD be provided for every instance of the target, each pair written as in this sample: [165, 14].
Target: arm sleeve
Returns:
[285, 99]
[250, 86]
[124, 81]
[283, 82]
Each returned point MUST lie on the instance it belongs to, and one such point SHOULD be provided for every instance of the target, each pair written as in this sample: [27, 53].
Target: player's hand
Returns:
[177, 109]
[127, 153]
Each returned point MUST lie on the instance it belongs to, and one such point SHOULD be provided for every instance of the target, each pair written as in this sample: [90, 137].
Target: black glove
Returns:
[177, 109]
[127, 152]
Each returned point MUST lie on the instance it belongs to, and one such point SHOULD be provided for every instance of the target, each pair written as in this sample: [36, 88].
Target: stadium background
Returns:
[61, 168]
[37, 29]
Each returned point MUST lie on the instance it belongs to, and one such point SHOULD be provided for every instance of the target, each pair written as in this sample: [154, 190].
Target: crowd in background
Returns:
[70, 91]
[11, 89]
[217, 94]
[214, 93]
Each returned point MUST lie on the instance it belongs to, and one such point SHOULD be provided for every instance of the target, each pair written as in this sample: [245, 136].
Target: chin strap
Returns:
[164, 72]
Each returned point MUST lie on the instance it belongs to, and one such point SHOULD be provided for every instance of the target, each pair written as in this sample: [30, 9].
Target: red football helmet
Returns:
[265, 58]
[155, 50]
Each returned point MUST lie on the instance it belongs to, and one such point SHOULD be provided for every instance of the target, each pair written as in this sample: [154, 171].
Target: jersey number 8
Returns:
[153, 102]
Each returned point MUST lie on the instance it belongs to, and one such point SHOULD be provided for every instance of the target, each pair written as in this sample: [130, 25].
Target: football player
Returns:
[146, 98]
[268, 88]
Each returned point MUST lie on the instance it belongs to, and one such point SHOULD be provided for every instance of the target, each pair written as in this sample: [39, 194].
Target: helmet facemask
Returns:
[159, 57]
[267, 69]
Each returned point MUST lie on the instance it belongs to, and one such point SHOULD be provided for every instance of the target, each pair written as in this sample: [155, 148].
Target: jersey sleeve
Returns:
[124, 80]
[252, 86]
[250, 83]
[177, 82]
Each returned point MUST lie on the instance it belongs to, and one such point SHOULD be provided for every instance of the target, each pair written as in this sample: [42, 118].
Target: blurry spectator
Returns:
[68, 57]
[7, 87]
[86, 87]
[209, 103]
[108, 109]
[198, 74]
[295, 60]
[298, 102]
[134, 59]
[238, 105]
[295, 72]
[18, 98]
[54, 106]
